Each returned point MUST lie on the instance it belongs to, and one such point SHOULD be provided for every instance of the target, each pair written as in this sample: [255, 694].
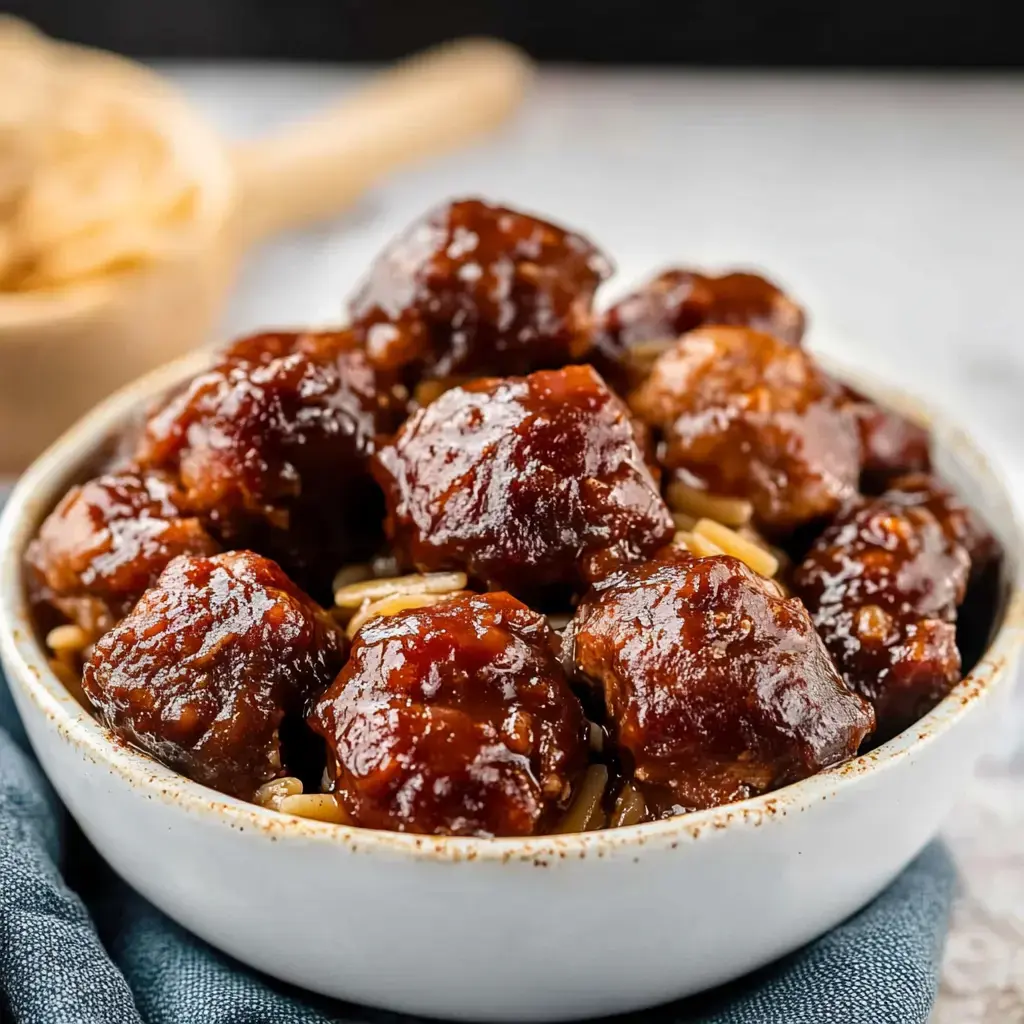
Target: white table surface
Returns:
[892, 206]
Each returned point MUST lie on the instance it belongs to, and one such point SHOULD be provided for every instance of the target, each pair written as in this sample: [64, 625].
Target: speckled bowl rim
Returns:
[26, 660]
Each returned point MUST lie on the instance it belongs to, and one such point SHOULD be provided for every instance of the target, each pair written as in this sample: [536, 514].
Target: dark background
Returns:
[755, 33]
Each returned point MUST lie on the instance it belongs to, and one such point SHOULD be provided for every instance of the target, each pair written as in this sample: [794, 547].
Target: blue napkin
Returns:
[77, 946]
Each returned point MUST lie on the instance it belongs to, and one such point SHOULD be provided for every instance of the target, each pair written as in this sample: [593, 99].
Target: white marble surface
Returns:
[894, 207]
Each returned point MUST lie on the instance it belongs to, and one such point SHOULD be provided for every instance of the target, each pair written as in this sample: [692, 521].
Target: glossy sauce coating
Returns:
[716, 687]
[891, 444]
[204, 669]
[960, 524]
[481, 416]
[107, 541]
[677, 301]
[455, 719]
[272, 446]
[882, 585]
[479, 289]
[746, 415]
[523, 482]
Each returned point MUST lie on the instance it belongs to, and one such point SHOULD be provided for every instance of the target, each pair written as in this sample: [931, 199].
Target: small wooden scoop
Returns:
[62, 350]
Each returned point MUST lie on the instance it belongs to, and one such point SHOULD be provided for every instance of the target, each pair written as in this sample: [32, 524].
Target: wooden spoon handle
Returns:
[426, 105]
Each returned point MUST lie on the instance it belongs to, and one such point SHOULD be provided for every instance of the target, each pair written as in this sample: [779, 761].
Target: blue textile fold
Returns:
[77, 946]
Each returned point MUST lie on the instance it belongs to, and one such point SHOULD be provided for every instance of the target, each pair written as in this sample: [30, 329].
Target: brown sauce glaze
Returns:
[524, 482]
[272, 445]
[882, 585]
[481, 290]
[960, 524]
[455, 719]
[746, 415]
[204, 669]
[677, 301]
[585, 657]
[107, 541]
[891, 444]
[716, 687]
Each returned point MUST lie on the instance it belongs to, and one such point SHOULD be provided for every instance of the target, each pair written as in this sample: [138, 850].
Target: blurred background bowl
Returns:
[64, 348]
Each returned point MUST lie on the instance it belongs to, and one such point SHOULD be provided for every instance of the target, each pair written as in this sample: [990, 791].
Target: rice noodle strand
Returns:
[584, 813]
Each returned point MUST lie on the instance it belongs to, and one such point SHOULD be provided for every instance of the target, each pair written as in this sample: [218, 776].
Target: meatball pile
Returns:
[490, 560]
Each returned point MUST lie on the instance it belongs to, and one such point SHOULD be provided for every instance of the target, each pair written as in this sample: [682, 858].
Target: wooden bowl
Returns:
[62, 350]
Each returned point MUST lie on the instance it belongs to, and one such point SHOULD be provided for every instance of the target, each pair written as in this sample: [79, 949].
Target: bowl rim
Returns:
[25, 659]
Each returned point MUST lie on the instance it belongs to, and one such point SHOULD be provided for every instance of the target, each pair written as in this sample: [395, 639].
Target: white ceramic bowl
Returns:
[506, 929]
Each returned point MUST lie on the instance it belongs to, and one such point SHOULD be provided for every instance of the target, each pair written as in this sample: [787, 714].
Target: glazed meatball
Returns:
[107, 541]
[454, 719]
[272, 445]
[203, 671]
[477, 289]
[746, 415]
[716, 687]
[523, 482]
[959, 523]
[882, 585]
[891, 445]
[678, 301]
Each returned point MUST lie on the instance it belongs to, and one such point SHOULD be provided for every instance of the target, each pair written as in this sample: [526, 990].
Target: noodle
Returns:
[709, 538]
[363, 593]
[391, 605]
[731, 543]
[701, 546]
[71, 679]
[755, 538]
[270, 794]
[701, 505]
[354, 595]
[584, 813]
[67, 639]
[684, 521]
[285, 795]
[385, 566]
[317, 806]
[69, 644]
[630, 808]
[349, 574]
